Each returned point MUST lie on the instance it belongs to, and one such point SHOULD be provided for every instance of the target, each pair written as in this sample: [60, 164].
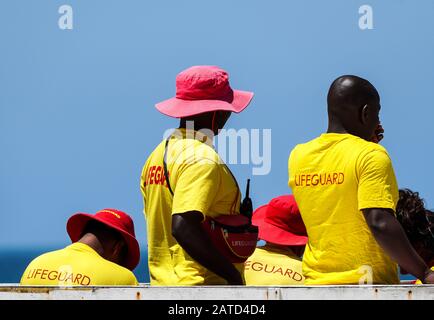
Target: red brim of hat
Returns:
[77, 223]
[179, 108]
[274, 234]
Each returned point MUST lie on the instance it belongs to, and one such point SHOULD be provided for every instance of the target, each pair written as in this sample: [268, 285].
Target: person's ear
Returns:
[364, 114]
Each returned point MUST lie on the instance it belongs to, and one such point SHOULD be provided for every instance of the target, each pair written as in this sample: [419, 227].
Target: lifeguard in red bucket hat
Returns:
[184, 182]
[203, 89]
[104, 252]
[279, 261]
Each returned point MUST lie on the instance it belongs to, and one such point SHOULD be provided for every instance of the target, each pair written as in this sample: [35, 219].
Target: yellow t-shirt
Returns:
[333, 178]
[200, 182]
[273, 266]
[76, 265]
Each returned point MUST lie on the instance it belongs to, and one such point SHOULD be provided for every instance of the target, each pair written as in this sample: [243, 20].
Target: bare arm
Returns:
[391, 237]
[187, 230]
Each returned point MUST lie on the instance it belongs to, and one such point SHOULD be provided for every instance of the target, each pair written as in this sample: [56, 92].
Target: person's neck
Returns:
[194, 125]
[198, 127]
[336, 127]
[92, 241]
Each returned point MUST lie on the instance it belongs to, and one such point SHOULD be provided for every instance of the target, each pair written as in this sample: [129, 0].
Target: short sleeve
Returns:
[377, 182]
[196, 187]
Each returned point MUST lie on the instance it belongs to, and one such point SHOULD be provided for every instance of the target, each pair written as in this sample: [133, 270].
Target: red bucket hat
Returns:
[280, 222]
[112, 218]
[201, 89]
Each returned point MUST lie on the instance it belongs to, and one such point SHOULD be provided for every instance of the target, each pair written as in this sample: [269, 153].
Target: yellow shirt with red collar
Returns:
[76, 265]
[333, 178]
[270, 265]
[200, 182]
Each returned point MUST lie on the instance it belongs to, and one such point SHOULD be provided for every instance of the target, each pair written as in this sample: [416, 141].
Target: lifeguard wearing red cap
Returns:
[279, 261]
[112, 218]
[280, 222]
[96, 257]
[201, 187]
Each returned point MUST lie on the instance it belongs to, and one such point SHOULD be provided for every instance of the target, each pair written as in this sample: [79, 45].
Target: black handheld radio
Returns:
[246, 207]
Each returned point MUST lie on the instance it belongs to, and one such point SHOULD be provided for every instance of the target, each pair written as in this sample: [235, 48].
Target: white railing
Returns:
[145, 292]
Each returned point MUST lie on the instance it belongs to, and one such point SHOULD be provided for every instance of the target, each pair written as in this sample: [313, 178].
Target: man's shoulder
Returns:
[373, 150]
[159, 149]
[46, 257]
[304, 147]
[363, 144]
[107, 268]
[118, 271]
[191, 151]
[349, 142]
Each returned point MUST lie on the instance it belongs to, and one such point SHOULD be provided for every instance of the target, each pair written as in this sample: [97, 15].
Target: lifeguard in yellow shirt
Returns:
[198, 184]
[104, 252]
[279, 261]
[346, 190]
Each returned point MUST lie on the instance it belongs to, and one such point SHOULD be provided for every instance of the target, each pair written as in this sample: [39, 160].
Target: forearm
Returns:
[196, 242]
[392, 238]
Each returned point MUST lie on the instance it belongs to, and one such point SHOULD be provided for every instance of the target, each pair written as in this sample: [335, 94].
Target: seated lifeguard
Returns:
[104, 252]
[279, 261]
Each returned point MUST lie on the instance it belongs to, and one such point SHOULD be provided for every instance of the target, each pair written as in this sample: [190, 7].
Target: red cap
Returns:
[112, 218]
[280, 222]
[201, 89]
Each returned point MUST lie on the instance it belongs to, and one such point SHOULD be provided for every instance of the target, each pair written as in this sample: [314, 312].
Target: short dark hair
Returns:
[351, 90]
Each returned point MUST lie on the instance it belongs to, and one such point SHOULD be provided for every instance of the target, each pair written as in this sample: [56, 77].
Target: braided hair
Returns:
[417, 222]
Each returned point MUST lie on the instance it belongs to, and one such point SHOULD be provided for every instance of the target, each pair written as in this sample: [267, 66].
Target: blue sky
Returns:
[77, 117]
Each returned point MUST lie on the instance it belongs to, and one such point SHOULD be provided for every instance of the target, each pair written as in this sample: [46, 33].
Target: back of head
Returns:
[417, 222]
[346, 98]
[109, 239]
[410, 212]
[110, 232]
